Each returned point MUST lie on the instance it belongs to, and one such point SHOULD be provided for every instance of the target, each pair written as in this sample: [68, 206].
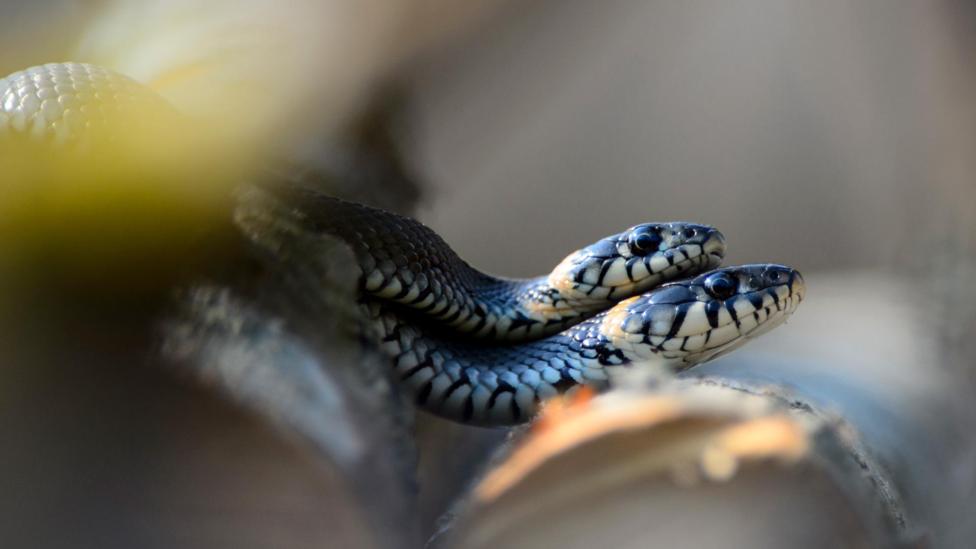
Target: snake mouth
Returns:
[685, 260]
[741, 319]
[620, 278]
[731, 336]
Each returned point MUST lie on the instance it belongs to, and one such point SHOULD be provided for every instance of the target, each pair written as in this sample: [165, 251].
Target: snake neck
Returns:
[493, 384]
[405, 262]
[522, 309]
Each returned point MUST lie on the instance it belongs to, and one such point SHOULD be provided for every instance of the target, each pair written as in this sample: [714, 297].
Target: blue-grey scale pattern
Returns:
[405, 262]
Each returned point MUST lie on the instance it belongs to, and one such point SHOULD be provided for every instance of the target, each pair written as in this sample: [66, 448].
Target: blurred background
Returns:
[834, 137]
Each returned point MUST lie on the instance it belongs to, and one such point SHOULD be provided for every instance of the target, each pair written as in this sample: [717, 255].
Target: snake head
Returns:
[695, 320]
[643, 256]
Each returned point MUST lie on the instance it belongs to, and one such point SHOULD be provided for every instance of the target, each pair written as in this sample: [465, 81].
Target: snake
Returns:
[660, 305]
[405, 262]
[671, 328]
[465, 345]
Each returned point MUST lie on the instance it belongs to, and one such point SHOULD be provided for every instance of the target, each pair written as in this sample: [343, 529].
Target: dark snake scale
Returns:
[440, 320]
[407, 263]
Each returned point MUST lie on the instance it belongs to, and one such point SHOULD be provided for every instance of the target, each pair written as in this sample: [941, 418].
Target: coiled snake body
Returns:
[440, 333]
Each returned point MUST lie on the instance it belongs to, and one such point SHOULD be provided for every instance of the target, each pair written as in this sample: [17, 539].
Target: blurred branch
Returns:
[692, 464]
[285, 349]
[284, 338]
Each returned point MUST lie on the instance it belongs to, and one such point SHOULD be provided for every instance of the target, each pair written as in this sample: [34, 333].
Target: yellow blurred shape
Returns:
[103, 181]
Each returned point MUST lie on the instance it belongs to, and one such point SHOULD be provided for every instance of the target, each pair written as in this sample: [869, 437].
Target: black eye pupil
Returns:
[646, 242]
[690, 233]
[720, 286]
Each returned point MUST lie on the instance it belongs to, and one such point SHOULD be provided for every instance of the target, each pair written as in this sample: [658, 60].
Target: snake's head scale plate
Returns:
[688, 322]
[643, 256]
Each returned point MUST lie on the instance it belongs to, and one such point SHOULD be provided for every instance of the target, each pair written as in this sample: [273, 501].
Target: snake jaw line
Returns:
[694, 326]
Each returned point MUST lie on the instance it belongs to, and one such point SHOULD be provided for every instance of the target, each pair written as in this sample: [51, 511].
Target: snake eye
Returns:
[690, 232]
[720, 286]
[642, 243]
[774, 276]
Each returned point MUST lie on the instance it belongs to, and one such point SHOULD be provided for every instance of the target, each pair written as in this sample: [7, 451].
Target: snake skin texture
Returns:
[671, 328]
[405, 262]
[65, 103]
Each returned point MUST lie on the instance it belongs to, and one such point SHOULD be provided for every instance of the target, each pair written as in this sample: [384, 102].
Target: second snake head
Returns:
[633, 261]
